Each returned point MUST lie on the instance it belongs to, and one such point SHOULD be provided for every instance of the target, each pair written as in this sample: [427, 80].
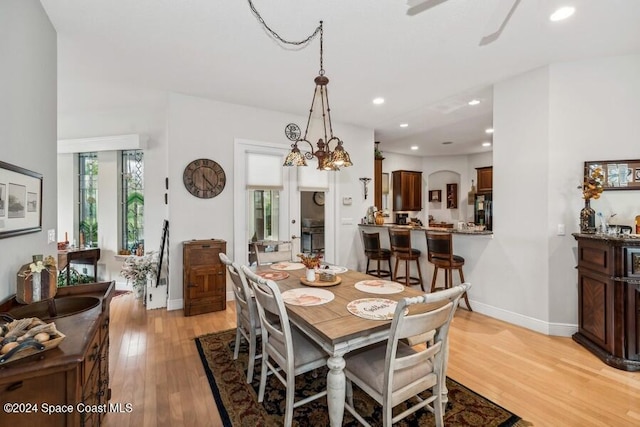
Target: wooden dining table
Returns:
[336, 330]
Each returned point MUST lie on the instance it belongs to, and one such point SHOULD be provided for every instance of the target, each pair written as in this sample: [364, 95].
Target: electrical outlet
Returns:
[561, 230]
[51, 236]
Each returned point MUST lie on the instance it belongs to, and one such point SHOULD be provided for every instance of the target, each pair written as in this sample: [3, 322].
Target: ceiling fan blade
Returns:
[417, 6]
[499, 21]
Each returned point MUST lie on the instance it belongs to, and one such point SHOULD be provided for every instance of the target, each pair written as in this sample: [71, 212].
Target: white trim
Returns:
[175, 304]
[103, 143]
[546, 328]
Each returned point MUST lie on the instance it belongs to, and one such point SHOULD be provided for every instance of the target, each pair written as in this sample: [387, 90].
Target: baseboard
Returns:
[175, 304]
[555, 329]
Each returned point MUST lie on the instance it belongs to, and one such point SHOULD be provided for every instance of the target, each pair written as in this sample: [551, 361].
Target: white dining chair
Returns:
[269, 252]
[393, 372]
[247, 320]
[285, 350]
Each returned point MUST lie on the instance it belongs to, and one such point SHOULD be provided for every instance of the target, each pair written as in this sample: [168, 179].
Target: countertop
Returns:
[626, 239]
[418, 228]
[78, 328]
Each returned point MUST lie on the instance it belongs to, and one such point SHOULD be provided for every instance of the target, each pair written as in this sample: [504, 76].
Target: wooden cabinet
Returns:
[407, 190]
[204, 276]
[485, 179]
[72, 377]
[609, 299]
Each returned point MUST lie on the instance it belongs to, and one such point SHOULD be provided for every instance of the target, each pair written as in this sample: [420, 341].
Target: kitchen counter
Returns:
[419, 228]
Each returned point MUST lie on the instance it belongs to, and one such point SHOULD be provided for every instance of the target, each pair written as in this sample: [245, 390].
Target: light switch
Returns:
[347, 201]
[561, 231]
[51, 236]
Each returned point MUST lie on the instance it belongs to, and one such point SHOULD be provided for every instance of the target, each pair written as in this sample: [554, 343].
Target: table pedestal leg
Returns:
[336, 390]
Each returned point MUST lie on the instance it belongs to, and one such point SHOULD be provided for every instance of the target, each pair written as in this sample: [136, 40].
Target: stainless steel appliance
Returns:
[483, 210]
[401, 218]
[312, 236]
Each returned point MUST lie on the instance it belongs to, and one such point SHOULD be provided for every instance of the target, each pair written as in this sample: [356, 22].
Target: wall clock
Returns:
[318, 198]
[204, 178]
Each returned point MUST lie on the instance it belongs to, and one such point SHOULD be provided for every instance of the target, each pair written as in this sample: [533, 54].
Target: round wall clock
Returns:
[204, 178]
[318, 198]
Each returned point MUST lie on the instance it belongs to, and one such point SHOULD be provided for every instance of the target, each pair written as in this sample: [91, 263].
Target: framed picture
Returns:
[618, 174]
[20, 201]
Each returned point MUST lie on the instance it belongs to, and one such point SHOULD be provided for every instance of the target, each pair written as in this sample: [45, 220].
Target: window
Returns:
[132, 225]
[88, 201]
[263, 214]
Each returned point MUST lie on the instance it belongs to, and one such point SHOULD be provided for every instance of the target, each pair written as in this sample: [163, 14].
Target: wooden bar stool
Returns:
[440, 254]
[400, 239]
[373, 251]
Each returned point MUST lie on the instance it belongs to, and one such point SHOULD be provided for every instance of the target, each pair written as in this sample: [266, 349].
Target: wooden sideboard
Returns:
[609, 299]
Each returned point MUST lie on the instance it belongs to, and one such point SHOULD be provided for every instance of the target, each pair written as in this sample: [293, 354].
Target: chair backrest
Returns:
[268, 252]
[371, 241]
[246, 311]
[400, 239]
[276, 331]
[433, 323]
[439, 245]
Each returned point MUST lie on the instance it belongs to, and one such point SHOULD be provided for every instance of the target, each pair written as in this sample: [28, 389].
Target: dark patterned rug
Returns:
[238, 401]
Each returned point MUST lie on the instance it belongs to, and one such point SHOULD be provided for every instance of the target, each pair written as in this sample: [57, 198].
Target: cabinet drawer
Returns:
[595, 256]
[50, 389]
[92, 356]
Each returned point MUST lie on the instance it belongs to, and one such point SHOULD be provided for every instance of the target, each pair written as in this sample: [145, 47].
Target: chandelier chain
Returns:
[279, 38]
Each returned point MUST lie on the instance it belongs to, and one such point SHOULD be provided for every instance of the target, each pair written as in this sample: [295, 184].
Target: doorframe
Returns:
[290, 181]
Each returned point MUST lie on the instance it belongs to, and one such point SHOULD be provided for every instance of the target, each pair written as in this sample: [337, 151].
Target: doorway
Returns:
[312, 214]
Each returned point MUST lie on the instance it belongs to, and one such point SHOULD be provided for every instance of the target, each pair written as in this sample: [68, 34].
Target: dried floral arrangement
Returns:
[310, 261]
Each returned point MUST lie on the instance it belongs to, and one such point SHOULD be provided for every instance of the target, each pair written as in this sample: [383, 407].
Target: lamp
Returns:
[321, 113]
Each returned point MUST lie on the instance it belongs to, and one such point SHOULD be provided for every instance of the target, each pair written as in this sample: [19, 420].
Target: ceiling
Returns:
[427, 65]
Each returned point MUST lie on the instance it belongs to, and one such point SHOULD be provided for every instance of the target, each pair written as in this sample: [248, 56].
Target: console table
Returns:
[89, 256]
[609, 298]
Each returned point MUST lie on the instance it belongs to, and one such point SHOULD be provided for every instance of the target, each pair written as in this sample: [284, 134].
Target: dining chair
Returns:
[400, 242]
[269, 252]
[394, 372]
[285, 350]
[247, 320]
[440, 254]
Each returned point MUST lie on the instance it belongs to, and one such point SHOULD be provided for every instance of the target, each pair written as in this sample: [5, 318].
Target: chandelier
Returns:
[320, 115]
[319, 121]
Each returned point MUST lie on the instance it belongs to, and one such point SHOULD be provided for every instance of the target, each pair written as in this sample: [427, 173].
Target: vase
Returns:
[311, 275]
[587, 218]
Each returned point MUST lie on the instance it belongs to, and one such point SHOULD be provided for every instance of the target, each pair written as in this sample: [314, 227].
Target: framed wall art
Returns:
[618, 174]
[20, 201]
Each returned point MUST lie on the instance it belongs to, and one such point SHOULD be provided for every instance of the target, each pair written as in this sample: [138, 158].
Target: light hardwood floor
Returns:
[548, 381]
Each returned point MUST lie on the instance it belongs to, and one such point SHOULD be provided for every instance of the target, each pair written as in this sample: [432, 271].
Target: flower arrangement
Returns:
[38, 266]
[310, 261]
[139, 268]
[593, 184]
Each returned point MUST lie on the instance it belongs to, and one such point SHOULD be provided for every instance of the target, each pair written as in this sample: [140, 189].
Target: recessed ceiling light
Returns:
[404, 125]
[489, 130]
[486, 144]
[447, 142]
[562, 13]
[414, 147]
[378, 101]
[474, 102]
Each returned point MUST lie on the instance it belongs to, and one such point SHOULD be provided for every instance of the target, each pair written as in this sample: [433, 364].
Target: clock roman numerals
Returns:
[204, 178]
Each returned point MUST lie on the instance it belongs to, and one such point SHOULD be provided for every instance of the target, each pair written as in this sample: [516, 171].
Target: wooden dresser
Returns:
[204, 276]
[609, 299]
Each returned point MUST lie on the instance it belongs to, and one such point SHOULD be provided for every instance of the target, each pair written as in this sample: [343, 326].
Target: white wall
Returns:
[200, 128]
[28, 121]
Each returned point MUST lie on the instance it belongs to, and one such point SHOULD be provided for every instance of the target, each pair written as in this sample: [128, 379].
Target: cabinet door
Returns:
[407, 191]
[485, 179]
[50, 389]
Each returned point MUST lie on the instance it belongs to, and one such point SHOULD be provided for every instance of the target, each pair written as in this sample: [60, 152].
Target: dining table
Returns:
[332, 325]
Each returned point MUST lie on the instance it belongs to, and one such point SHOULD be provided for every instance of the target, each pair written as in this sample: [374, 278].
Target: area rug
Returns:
[238, 403]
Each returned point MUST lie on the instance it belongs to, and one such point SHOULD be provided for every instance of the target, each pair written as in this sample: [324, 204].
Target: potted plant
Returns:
[138, 269]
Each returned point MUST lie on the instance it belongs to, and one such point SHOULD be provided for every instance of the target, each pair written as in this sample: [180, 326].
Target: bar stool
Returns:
[440, 254]
[400, 239]
[373, 251]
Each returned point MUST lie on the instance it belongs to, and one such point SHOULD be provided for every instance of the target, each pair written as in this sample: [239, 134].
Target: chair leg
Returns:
[349, 392]
[466, 298]
[291, 392]
[420, 275]
[238, 336]
[263, 374]
[395, 270]
[378, 271]
[435, 277]
[367, 269]
[437, 407]
[407, 272]
[390, 270]
[252, 358]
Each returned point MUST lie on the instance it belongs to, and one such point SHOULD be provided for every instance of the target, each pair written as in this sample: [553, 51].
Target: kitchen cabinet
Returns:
[485, 179]
[609, 299]
[407, 190]
[377, 183]
[204, 276]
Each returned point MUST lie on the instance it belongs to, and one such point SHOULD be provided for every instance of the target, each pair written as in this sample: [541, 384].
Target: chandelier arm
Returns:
[306, 129]
[278, 37]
